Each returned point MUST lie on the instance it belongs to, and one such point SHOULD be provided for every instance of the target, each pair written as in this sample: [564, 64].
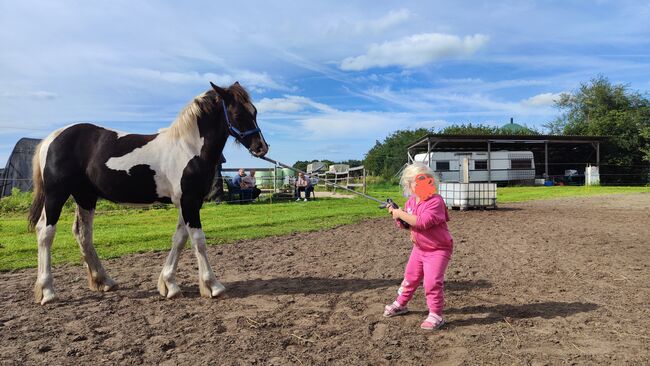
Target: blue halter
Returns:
[234, 132]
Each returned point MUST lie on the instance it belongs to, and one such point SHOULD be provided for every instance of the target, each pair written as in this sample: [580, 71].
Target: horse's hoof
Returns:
[48, 296]
[43, 294]
[211, 289]
[101, 283]
[109, 285]
[218, 289]
[174, 292]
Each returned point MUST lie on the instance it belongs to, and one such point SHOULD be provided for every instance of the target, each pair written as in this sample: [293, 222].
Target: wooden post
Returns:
[489, 162]
[275, 178]
[546, 160]
[364, 180]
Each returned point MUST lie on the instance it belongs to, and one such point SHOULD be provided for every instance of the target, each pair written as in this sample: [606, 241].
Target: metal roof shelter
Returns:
[571, 148]
[18, 171]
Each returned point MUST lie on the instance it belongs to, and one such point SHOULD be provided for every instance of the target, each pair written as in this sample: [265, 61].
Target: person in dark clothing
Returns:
[247, 186]
[216, 193]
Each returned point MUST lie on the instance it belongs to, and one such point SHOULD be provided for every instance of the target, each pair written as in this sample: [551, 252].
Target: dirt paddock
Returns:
[542, 283]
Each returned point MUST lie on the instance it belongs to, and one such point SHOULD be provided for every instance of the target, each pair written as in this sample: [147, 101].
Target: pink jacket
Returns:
[430, 230]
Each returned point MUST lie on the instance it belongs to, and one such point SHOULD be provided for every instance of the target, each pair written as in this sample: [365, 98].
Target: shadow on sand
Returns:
[318, 285]
[497, 313]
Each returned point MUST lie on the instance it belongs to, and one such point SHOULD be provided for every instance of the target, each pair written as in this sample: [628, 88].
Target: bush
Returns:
[19, 202]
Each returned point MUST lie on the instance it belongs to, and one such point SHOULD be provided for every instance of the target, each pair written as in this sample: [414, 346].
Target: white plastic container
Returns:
[469, 195]
[592, 176]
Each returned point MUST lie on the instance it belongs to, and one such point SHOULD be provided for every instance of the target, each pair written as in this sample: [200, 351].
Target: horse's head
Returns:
[241, 118]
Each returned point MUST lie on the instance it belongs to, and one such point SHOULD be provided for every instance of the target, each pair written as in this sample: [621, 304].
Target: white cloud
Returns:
[542, 100]
[318, 121]
[393, 18]
[423, 104]
[288, 104]
[415, 50]
[349, 124]
[250, 79]
[30, 95]
[437, 124]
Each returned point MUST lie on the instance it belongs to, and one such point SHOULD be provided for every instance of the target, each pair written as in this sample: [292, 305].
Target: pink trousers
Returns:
[430, 266]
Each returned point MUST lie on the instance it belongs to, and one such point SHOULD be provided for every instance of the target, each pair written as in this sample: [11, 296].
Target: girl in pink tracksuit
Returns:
[426, 216]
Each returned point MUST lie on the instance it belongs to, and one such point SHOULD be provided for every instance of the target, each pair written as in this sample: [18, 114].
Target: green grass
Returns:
[522, 194]
[120, 231]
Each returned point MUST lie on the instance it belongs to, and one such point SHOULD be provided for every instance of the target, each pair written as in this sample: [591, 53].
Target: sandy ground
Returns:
[541, 283]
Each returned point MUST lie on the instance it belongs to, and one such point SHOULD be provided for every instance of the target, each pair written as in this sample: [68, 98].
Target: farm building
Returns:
[508, 158]
[18, 170]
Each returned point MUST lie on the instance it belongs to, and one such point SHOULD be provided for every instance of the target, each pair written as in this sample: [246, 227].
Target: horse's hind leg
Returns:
[82, 229]
[45, 231]
[167, 285]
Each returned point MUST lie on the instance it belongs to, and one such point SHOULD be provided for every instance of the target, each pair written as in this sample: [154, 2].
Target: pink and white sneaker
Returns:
[432, 322]
[395, 309]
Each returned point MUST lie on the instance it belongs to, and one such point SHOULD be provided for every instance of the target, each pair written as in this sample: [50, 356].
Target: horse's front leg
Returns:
[208, 284]
[167, 285]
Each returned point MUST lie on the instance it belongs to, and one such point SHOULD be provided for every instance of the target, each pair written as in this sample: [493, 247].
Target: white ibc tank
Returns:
[469, 195]
[592, 176]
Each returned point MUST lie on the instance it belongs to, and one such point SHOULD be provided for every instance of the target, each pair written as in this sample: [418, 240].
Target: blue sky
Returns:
[329, 78]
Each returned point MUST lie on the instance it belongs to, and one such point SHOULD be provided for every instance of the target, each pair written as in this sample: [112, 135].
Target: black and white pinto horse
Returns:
[176, 165]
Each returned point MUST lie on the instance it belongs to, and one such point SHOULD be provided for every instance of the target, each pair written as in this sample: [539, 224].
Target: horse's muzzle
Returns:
[259, 149]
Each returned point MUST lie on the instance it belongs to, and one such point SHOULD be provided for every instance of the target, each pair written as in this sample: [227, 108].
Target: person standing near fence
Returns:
[216, 193]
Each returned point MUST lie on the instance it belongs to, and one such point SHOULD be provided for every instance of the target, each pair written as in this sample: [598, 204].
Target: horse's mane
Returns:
[185, 123]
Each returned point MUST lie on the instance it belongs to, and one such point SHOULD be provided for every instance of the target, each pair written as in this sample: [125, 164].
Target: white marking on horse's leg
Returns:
[44, 287]
[208, 284]
[167, 285]
[82, 229]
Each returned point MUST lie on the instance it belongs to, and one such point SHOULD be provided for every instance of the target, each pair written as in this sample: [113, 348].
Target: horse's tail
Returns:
[38, 200]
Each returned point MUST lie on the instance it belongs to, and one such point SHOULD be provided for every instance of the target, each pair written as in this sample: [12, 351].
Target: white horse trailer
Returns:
[505, 166]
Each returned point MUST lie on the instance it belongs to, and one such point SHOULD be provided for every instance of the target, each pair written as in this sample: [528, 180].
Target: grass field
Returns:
[120, 231]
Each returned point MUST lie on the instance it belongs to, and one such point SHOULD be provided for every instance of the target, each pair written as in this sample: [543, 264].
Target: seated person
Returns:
[245, 193]
[237, 182]
[303, 184]
[248, 182]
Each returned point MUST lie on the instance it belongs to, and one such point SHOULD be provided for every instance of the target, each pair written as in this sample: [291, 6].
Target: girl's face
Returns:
[424, 186]
[412, 185]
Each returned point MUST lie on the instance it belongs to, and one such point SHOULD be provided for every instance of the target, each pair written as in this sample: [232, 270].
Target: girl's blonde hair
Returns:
[410, 172]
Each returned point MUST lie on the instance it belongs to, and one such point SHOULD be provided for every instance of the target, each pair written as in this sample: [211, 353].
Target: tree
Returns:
[387, 158]
[470, 129]
[479, 129]
[352, 162]
[599, 108]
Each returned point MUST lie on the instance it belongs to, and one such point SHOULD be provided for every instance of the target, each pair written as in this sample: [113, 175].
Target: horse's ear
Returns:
[222, 92]
[236, 83]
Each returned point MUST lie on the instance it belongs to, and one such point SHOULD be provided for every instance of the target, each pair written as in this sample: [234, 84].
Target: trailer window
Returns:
[480, 165]
[521, 163]
[442, 165]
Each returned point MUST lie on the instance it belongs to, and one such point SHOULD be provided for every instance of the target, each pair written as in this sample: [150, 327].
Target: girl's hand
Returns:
[396, 212]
